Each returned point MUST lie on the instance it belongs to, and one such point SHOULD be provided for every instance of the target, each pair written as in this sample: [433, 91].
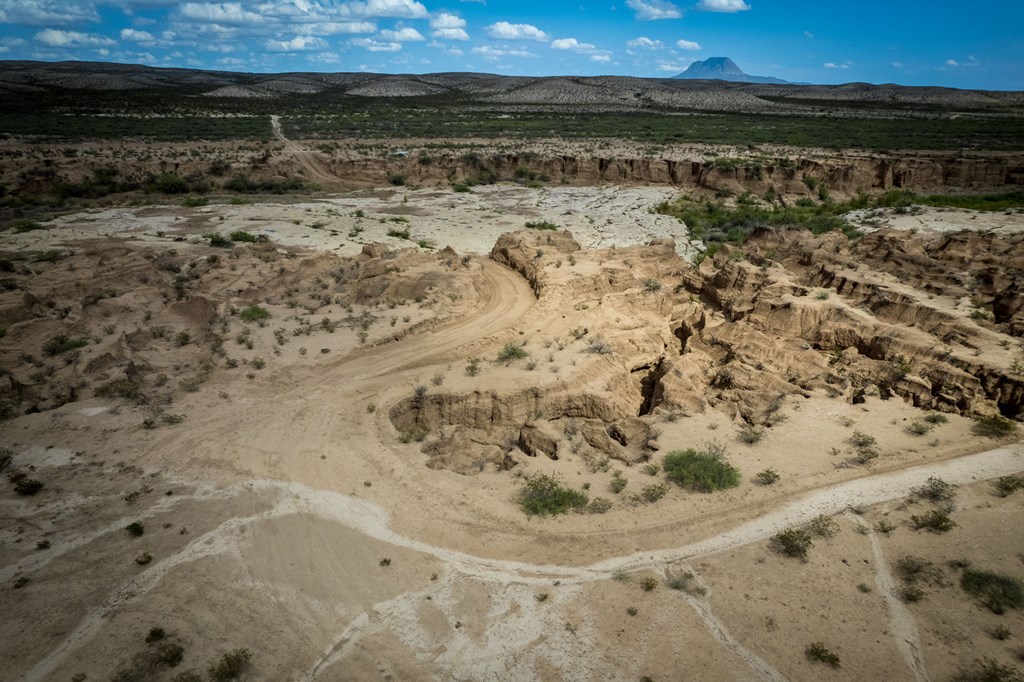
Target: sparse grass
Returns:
[750, 434]
[794, 542]
[1000, 632]
[652, 285]
[543, 495]
[648, 584]
[817, 652]
[473, 367]
[702, 471]
[824, 526]
[996, 591]
[412, 435]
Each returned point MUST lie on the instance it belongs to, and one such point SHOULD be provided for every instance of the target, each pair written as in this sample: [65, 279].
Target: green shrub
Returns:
[648, 584]
[253, 313]
[242, 236]
[512, 351]
[135, 529]
[541, 225]
[817, 652]
[1007, 485]
[996, 591]
[231, 666]
[912, 568]
[654, 492]
[994, 426]
[988, 671]
[861, 440]
[936, 418]
[750, 434]
[28, 486]
[794, 542]
[543, 495]
[919, 428]
[171, 654]
[936, 521]
[935, 489]
[767, 477]
[219, 240]
[155, 634]
[22, 226]
[170, 183]
[652, 285]
[60, 344]
[700, 471]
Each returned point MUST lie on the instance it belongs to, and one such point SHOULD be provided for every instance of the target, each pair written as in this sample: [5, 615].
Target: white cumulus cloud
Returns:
[688, 45]
[395, 9]
[296, 44]
[449, 27]
[402, 35]
[47, 12]
[219, 13]
[600, 58]
[644, 43]
[506, 31]
[136, 36]
[729, 6]
[833, 65]
[376, 46]
[57, 38]
[332, 28]
[653, 10]
[572, 44]
[488, 52]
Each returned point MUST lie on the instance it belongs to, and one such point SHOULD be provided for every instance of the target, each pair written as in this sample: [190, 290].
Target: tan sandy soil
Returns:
[289, 484]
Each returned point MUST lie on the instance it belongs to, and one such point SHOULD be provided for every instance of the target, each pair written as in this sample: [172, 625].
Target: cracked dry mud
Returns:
[266, 463]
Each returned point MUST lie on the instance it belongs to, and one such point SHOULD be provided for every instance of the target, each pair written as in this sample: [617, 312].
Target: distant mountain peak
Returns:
[723, 69]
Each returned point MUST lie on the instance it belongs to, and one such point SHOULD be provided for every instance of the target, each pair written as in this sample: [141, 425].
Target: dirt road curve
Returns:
[307, 159]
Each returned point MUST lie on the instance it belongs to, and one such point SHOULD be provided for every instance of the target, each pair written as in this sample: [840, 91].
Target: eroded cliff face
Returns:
[792, 316]
[843, 174]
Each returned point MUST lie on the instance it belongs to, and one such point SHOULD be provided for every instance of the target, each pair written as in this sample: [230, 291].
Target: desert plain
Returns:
[395, 410]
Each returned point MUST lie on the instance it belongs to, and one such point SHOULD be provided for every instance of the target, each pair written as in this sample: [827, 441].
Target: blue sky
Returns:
[914, 42]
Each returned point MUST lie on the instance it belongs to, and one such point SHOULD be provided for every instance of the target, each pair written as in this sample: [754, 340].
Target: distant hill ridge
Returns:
[724, 69]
